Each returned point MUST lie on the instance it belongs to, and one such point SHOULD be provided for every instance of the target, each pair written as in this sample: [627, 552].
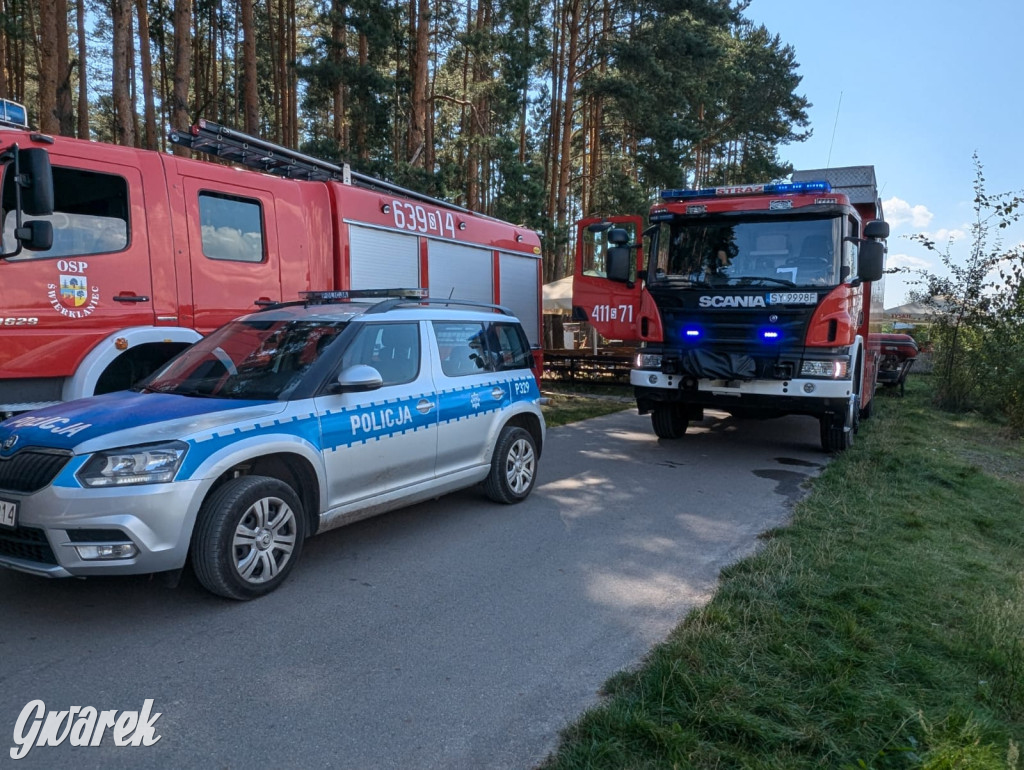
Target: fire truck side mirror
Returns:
[36, 182]
[871, 260]
[876, 228]
[618, 263]
[35, 235]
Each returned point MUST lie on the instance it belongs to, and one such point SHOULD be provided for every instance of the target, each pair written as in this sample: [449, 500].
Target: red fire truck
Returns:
[114, 259]
[756, 299]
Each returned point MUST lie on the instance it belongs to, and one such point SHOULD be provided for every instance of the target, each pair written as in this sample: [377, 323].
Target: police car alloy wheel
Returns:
[248, 537]
[513, 467]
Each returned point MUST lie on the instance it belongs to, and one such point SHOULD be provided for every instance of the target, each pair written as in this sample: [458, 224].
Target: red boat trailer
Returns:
[896, 355]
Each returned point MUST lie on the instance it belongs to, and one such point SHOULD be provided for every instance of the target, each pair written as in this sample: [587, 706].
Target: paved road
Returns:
[455, 634]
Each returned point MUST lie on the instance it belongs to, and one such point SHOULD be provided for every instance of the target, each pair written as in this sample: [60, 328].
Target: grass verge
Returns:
[572, 403]
[884, 628]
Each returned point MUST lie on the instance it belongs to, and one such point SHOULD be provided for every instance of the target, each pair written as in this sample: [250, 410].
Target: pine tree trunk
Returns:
[180, 118]
[419, 59]
[249, 82]
[339, 53]
[124, 124]
[83, 73]
[4, 88]
[149, 141]
[48, 122]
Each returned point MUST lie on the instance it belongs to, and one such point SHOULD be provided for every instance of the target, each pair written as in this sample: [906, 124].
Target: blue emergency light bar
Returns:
[786, 188]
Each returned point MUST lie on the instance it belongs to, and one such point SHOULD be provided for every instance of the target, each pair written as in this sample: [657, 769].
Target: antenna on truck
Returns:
[227, 143]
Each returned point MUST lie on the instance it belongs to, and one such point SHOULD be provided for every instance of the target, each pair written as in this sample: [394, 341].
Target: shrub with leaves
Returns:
[979, 331]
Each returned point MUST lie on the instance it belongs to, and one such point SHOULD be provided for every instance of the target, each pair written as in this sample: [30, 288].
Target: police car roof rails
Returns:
[214, 139]
[391, 304]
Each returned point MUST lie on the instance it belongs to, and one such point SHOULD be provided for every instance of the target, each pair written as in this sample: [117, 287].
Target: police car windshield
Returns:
[255, 359]
[766, 252]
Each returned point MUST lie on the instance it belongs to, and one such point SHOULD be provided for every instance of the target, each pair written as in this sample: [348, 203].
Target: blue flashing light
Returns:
[771, 335]
[787, 188]
[693, 333]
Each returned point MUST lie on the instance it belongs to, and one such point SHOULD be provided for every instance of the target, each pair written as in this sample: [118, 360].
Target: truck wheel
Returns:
[669, 421]
[513, 466]
[837, 430]
[248, 537]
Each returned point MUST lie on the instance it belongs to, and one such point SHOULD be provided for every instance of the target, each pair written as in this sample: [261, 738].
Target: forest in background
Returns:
[535, 111]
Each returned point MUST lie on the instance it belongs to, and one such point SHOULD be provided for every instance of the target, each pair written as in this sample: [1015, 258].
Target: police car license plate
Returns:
[792, 298]
[8, 514]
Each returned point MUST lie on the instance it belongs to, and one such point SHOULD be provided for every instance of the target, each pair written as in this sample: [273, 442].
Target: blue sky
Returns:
[919, 86]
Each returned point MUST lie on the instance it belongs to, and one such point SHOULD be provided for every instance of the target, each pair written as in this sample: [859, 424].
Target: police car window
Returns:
[231, 228]
[463, 348]
[509, 346]
[90, 214]
[392, 349]
[257, 360]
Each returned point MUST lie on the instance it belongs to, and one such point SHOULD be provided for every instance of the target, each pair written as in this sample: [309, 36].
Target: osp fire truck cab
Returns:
[114, 259]
[756, 299]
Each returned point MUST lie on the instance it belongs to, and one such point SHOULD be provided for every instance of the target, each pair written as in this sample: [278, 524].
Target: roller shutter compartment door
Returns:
[519, 292]
[380, 259]
[460, 272]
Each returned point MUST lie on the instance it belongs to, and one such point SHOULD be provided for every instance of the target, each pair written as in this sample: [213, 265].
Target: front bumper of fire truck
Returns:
[828, 390]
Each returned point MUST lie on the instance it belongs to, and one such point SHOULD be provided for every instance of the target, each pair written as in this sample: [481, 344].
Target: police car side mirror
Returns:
[358, 379]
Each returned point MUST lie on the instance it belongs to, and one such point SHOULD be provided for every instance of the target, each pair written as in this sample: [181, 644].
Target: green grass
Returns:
[571, 403]
[883, 628]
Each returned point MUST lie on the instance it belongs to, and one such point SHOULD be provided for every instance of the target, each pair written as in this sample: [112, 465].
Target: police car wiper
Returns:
[748, 279]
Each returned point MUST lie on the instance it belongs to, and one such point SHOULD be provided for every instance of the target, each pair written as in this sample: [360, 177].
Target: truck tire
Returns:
[248, 537]
[669, 421]
[837, 430]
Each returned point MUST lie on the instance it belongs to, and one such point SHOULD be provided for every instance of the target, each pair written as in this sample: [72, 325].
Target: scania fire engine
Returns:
[756, 299]
[113, 259]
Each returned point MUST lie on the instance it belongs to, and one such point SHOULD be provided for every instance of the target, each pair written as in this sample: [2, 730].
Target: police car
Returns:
[280, 425]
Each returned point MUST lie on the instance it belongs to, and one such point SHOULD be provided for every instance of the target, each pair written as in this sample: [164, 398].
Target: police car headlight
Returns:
[833, 369]
[648, 360]
[145, 464]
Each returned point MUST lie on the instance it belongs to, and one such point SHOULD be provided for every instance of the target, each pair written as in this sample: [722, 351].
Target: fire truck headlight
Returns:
[648, 360]
[832, 369]
[146, 464]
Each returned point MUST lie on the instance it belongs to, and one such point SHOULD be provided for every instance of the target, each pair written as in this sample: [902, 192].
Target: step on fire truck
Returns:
[113, 259]
[756, 299]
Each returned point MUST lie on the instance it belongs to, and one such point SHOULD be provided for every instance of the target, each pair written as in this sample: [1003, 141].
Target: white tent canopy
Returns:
[913, 311]
[558, 296]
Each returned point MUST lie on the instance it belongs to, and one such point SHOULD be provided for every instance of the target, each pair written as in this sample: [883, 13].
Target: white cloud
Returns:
[906, 260]
[944, 235]
[899, 212]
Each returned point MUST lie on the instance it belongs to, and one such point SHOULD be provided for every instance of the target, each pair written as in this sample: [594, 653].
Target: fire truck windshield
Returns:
[788, 252]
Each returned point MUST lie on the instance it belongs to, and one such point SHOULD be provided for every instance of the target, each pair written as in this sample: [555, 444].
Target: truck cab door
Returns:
[607, 288]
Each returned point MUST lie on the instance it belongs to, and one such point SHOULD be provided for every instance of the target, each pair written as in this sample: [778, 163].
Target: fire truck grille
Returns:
[31, 469]
[26, 543]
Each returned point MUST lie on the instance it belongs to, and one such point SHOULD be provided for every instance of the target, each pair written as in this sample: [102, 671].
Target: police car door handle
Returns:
[424, 405]
[126, 297]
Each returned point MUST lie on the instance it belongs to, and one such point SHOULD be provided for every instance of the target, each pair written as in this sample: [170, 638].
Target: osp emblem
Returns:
[74, 290]
[10, 442]
[71, 295]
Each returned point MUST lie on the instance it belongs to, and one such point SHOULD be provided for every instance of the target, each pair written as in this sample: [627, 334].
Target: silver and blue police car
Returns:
[280, 425]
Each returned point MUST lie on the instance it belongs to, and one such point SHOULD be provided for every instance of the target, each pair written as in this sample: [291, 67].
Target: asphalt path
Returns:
[454, 634]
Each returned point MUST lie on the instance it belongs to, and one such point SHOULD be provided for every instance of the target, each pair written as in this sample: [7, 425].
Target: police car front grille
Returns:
[26, 543]
[31, 469]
